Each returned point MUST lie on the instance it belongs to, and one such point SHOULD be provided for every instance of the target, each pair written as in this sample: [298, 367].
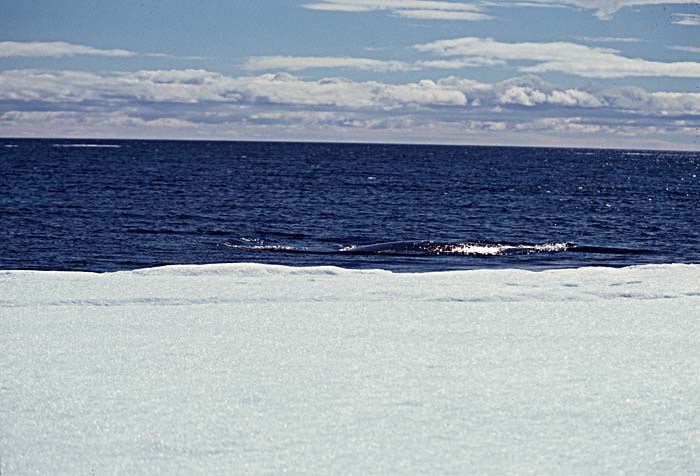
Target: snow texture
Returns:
[256, 369]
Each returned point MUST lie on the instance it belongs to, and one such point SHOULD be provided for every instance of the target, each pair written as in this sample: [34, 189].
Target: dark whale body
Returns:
[429, 247]
[393, 247]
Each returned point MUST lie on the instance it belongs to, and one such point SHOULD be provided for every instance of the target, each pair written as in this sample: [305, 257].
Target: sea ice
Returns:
[256, 369]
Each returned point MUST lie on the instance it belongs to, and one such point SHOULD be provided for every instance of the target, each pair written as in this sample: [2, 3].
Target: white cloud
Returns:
[467, 86]
[49, 86]
[531, 4]
[574, 97]
[305, 116]
[567, 124]
[442, 15]
[689, 49]
[635, 130]
[58, 49]
[487, 125]
[472, 62]
[286, 89]
[489, 48]
[74, 119]
[176, 76]
[297, 63]
[394, 5]
[687, 19]
[526, 96]
[199, 103]
[417, 9]
[198, 86]
[606, 9]
[522, 96]
[55, 49]
[42, 116]
[339, 7]
[608, 39]
[659, 103]
[531, 92]
[614, 66]
[424, 92]
[564, 57]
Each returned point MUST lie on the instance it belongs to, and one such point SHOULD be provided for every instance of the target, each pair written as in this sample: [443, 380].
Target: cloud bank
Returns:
[200, 103]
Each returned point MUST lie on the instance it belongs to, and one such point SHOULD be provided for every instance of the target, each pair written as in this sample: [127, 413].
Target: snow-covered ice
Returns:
[255, 369]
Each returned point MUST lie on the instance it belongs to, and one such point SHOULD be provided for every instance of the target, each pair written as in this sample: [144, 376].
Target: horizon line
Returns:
[350, 142]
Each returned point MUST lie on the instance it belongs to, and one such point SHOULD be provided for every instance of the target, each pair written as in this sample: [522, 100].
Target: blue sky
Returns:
[598, 73]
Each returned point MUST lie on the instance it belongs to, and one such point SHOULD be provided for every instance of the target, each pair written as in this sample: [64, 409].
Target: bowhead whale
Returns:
[392, 247]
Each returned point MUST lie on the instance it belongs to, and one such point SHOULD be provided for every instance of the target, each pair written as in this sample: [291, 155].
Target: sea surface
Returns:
[108, 205]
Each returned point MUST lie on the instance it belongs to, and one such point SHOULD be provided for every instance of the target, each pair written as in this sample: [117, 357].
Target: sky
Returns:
[582, 73]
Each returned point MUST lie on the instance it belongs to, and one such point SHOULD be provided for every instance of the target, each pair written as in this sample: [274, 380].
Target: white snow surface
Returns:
[261, 370]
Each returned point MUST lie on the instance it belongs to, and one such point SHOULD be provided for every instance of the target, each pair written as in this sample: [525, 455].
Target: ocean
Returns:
[110, 205]
[253, 368]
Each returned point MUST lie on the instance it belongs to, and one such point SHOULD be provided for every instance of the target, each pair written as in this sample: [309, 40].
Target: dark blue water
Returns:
[133, 204]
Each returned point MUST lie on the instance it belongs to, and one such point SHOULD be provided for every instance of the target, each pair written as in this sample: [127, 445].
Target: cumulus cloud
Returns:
[198, 86]
[419, 9]
[467, 86]
[577, 126]
[659, 103]
[207, 104]
[531, 92]
[54, 49]
[526, 96]
[564, 57]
